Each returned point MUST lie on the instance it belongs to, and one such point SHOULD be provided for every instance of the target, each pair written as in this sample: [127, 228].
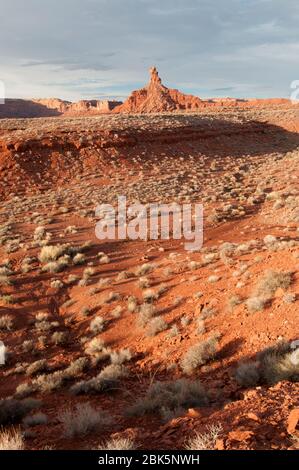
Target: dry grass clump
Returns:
[59, 337]
[132, 304]
[13, 410]
[79, 258]
[205, 441]
[266, 288]
[11, 440]
[48, 382]
[289, 298]
[6, 322]
[52, 252]
[120, 357]
[255, 304]
[56, 284]
[272, 281]
[83, 420]
[95, 347]
[97, 325]
[144, 269]
[232, 302]
[199, 354]
[170, 397]
[106, 380]
[145, 314]
[274, 364]
[118, 443]
[117, 311]
[155, 326]
[37, 366]
[28, 345]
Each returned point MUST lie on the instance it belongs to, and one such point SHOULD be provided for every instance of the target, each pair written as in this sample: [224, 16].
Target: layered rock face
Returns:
[156, 98]
[49, 107]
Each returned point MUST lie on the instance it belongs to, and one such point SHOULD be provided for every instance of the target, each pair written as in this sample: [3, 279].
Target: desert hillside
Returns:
[143, 344]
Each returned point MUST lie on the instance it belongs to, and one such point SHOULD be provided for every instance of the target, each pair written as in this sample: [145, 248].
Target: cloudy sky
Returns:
[81, 49]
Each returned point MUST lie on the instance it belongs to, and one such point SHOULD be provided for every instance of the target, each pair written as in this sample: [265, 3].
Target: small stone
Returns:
[193, 413]
[240, 436]
[293, 421]
[219, 445]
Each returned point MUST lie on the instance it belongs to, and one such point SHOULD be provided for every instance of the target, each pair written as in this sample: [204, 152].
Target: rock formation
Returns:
[156, 98]
[49, 107]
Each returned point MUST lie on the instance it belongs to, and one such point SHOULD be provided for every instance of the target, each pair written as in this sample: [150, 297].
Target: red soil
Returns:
[228, 158]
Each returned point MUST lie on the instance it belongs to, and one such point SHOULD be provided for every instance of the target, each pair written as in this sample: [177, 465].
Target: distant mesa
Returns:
[153, 98]
[51, 107]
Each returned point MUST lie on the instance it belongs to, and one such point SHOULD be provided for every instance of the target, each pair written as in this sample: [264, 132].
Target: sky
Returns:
[102, 49]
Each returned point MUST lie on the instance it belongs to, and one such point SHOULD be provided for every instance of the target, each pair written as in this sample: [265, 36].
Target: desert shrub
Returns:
[144, 269]
[266, 288]
[132, 304]
[247, 374]
[28, 345]
[255, 304]
[88, 272]
[4, 280]
[79, 258]
[48, 382]
[42, 316]
[289, 298]
[56, 284]
[85, 311]
[233, 301]
[170, 396]
[205, 441]
[270, 282]
[36, 367]
[35, 420]
[106, 380]
[97, 325]
[145, 314]
[59, 337]
[76, 367]
[52, 252]
[13, 410]
[124, 275]
[116, 312]
[6, 322]
[24, 389]
[199, 354]
[272, 365]
[95, 346]
[143, 283]
[104, 259]
[119, 357]
[207, 312]
[83, 420]
[53, 267]
[118, 443]
[11, 440]
[155, 326]
[149, 296]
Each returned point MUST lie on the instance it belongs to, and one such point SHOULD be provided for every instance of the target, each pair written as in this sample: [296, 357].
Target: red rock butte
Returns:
[156, 98]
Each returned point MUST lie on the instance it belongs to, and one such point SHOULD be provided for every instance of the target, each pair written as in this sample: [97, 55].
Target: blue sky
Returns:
[81, 49]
